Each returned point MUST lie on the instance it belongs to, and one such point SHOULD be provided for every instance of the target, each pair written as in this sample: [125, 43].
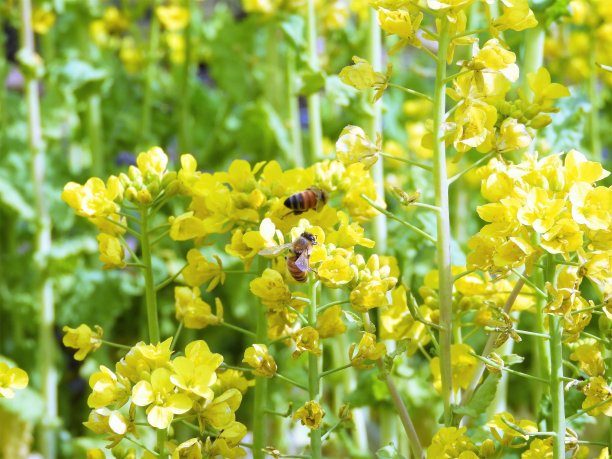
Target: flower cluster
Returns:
[11, 378]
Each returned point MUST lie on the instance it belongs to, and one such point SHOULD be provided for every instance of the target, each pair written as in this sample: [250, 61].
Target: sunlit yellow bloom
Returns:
[186, 226]
[336, 270]
[516, 16]
[402, 22]
[578, 169]
[512, 253]
[199, 270]
[539, 211]
[591, 207]
[539, 449]
[367, 350]
[354, 146]
[193, 311]
[95, 198]
[564, 237]
[598, 391]
[463, 365]
[82, 338]
[271, 288]
[11, 378]
[589, 356]
[226, 444]
[306, 340]
[493, 56]
[42, 20]
[310, 415]
[195, 373]
[160, 398]
[475, 124]
[545, 92]
[111, 251]
[258, 358]
[370, 294]
[143, 358]
[153, 162]
[111, 423]
[265, 237]
[330, 324]
[512, 136]
[221, 411]
[190, 449]
[173, 17]
[108, 388]
[361, 75]
[232, 379]
[451, 442]
[506, 434]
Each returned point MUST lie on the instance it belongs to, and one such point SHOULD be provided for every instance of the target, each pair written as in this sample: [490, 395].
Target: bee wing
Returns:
[302, 261]
[275, 250]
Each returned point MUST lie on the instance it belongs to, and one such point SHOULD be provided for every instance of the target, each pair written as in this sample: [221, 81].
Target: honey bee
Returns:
[298, 262]
[312, 198]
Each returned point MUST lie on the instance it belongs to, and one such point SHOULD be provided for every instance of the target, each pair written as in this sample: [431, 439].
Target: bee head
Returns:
[311, 237]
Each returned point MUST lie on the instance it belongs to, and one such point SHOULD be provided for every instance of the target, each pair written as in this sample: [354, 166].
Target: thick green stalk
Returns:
[557, 394]
[261, 385]
[94, 132]
[44, 294]
[293, 99]
[150, 72]
[314, 100]
[151, 302]
[444, 238]
[184, 89]
[374, 127]
[594, 97]
[150, 293]
[314, 372]
[533, 55]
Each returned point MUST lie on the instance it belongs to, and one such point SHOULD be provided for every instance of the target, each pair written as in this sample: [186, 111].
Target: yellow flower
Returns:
[539, 449]
[598, 391]
[94, 199]
[271, 289]
[193, 311]
[369, 294]
[173, 17]
[578, 169]
[227, 442]
[190, 449]
[367, 349]
[545, 92]
[589, 356]
[463, 365]
[539, 211]
[108, 388]
[348, 234]
[564, 237]
[43, 19]
[195, 372]
[306, 340]
[475, 125]
[161, 399]
[329, 324]
[354, 146]
[261, 6]
[512, 253]
[153, 162]
[199, 270]
[258, 357]
[232, 379]
[82, 338]
[264, 238]
[402, 22]
[451, 442]
[111, 251]
[516, 16]
[221, 411]
[361, 75]
[310, 415]
[591, 207]
[187, 226]
[512, 136]
[111, 423]
[336, 270]
[143, 358]
[493, 56]
[506, 434]
[11, 378]
[131, 55]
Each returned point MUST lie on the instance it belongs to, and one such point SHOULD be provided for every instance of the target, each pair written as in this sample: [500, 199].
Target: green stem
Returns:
[239, 329]
[117, 345]
[472, 166]
[44, 285]
[583, 411]
[314, 99]
[556, 385]
[511, 371]
[184, 90]
[329, 305]
[314, 382]
[179, 329]
[170, 279]
[543, 295]
[409, 91]
[533, 55]
[150, 295]
[594, 98]
[94, 132]
[291, 381]
[397, 219]
[443, 238]
[261, 384]
[407, 161]
[150, 74]
[293, 99]
[335, 370]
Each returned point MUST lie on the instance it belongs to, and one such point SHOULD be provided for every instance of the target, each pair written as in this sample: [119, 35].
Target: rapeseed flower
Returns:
[310, 414]
[258, 358]
[108, 388]
[82, 338]
[11, 378]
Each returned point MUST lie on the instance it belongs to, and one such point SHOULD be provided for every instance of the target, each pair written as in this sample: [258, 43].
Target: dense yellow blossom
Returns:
[82, 338]
[11, 378]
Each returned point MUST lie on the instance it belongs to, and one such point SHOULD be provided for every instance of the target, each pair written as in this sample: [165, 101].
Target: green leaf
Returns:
[481, 399]
[389, 452]
[311, 81]
[293, 27]
[11, 199]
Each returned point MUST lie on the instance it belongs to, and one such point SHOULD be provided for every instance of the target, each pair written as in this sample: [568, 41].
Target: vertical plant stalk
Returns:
[94, 132]
[444, 238]
[151, 302]
[313, 371]
[294, 108]
[261, 384]
[595, 100]
[314, 100]
[184, 92]
[557, 394]
[533, 55]
[374, 127]
[147, 103]
[46, 338]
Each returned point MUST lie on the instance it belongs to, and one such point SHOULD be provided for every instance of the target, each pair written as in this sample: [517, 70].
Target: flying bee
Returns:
[298, 262]
[311, 198]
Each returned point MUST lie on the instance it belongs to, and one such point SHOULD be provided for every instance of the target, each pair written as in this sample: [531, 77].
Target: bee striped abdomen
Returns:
[302, 201]
[296, 272]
